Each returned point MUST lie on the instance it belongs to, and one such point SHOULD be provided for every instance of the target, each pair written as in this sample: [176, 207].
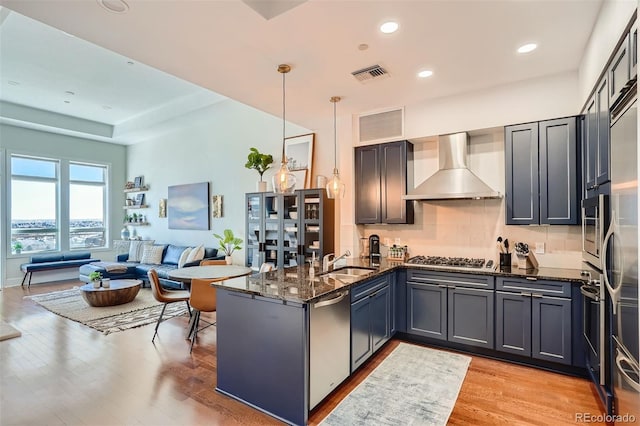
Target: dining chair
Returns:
[165, 296]
[213, 262]
[266, 267]
[203, 299]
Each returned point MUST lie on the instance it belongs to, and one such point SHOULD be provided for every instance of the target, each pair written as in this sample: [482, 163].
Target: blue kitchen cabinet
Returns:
[370, 318]
[541, 163]
[534, 319]
[595, 141]
[451, 307]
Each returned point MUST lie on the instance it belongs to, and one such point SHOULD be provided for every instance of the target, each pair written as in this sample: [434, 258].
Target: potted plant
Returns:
[135, 217]
[228, 243]
[261, 163]
[17, 247]
[95, 278]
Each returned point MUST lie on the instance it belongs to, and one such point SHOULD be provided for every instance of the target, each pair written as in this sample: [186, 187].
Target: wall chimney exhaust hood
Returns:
[453, 180]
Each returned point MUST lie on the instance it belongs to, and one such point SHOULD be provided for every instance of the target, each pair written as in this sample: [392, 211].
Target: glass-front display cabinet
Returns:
[286, 229]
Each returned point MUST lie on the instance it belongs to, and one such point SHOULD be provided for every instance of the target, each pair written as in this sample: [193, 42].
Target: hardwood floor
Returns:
[63, 373]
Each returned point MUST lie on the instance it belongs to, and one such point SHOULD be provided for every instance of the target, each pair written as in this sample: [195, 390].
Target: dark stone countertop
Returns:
[296, 285]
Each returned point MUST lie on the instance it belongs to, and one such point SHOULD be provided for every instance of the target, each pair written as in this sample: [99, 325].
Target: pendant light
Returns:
[284, 182]
[335, 187]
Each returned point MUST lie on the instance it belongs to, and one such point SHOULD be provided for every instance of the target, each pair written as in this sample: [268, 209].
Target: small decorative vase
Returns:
[228, 259]
[124, 234]
[106, 283]
[134, 234]
[262, 186]
[96, 283]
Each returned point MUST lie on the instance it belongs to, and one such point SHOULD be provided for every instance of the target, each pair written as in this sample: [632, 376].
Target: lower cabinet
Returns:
[370, 318]
[453, 307]
[533, 319]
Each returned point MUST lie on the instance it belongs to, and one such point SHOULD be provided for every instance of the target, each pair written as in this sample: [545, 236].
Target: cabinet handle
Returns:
[539, 296]
[525, 294]
[532, 278]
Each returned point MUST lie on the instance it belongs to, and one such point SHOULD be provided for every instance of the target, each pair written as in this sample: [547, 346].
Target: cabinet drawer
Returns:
[368, 287]
[531, 285]
[450, 279]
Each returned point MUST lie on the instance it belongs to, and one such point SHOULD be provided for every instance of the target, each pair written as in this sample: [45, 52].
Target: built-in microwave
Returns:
[594, 226]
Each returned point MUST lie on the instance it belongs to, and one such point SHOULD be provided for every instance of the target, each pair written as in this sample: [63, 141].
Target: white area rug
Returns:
[143, 310]
[7, 331]
[414, 385]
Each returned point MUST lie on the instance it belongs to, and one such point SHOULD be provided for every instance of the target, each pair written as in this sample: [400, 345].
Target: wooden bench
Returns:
[51, 261]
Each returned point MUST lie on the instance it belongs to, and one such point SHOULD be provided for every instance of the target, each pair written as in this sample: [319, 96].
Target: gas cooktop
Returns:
[447, 262]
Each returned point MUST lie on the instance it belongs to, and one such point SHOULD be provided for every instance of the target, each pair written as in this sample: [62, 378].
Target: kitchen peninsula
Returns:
[286, 339]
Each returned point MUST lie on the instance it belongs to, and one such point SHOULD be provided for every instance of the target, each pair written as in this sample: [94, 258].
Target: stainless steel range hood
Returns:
[453, 180]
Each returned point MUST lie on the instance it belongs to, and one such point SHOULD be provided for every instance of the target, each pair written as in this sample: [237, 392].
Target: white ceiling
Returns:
[230, 48]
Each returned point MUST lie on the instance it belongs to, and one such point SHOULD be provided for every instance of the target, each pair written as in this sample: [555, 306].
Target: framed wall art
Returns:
[188, 206]
[216, 206]
[299, 152]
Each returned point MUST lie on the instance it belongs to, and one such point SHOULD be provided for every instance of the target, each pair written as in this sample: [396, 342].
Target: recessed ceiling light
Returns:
[69, 92]
[363, 46]
[130, 62]
[106, 107]
[526, 48]
[425, 73]
[14, 83]
[67, 102]
[389, 27]
[115, 6]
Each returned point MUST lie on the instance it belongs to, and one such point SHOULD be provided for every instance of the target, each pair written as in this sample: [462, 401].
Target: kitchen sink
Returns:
[354, 270]
[348, 274]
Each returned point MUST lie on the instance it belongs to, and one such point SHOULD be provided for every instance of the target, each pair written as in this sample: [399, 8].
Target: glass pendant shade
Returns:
[335, 187]
[284, 182]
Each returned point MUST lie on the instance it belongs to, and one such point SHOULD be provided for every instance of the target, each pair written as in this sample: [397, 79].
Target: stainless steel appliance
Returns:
[620, 260]
[329, 345]
[595, 219]
[374, 249]
[596, 331]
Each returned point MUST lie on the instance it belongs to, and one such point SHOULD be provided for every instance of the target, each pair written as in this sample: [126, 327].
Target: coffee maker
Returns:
[374, 249]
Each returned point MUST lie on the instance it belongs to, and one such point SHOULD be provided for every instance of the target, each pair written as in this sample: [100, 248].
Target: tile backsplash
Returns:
[470, 228]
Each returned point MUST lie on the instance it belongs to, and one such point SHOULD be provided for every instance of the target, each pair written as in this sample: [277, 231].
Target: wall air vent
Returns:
[386, 125]
[374, 72]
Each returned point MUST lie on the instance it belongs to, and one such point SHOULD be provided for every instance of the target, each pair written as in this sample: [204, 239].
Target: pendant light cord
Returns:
[335, 139]
[284, 160]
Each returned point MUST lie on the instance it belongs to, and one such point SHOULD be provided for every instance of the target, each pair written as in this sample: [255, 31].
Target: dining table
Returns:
[209, 272]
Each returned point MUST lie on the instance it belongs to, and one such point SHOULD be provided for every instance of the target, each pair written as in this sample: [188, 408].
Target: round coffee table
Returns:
[119, 292]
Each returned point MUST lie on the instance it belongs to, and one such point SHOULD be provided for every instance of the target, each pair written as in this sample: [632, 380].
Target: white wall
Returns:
[469, 228]
[612, 20]
[210, 145]
[39, 143]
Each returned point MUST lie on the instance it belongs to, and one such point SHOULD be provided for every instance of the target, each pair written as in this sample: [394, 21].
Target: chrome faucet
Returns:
[330, 259]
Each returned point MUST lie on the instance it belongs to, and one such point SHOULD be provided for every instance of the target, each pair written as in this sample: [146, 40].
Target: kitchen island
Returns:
[267, 336]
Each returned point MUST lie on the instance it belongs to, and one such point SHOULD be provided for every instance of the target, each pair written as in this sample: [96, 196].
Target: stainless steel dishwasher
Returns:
[329, 345]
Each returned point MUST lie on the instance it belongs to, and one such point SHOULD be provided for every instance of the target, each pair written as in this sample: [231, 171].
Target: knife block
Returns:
[527, 261]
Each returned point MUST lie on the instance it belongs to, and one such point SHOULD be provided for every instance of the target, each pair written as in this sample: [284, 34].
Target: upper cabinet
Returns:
[542, 173]
[595, 140]
[622, 68]
[381, 181]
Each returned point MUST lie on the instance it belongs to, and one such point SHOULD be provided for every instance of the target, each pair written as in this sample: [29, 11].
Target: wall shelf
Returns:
[135, 223]
[144, 206]
[141, 189]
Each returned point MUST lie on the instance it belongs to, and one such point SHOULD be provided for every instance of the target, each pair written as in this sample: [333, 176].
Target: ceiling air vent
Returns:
[387, 125]
[374, 72]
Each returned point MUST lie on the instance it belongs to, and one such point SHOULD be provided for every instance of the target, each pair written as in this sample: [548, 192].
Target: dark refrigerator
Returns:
[620, 263]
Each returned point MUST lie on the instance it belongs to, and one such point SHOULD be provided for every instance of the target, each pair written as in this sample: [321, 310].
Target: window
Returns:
[34, 204]
[87, 195]
[57, 204]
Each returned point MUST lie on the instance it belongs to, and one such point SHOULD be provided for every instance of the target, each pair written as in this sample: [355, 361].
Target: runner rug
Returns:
[414, 385]
[143, 310]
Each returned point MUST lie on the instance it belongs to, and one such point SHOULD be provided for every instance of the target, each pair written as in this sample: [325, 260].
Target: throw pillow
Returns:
[152, 255]
[184, 256]
[196, 254]
[135, 249]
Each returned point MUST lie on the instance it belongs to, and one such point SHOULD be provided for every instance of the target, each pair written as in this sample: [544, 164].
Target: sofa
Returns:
[122, 268]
